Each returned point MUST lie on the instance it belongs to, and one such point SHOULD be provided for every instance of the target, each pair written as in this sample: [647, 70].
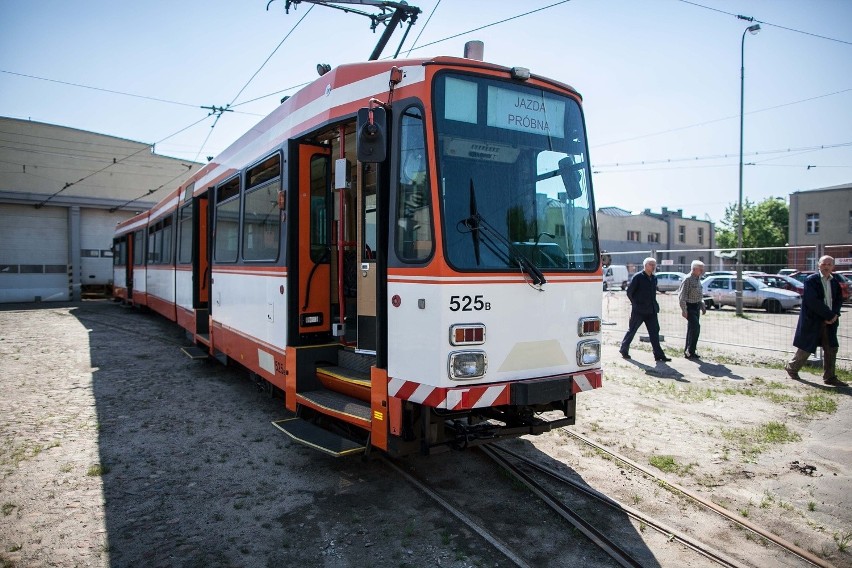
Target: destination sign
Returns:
[522, 111]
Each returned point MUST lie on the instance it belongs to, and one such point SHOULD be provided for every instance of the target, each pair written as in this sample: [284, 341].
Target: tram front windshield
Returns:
[514, 177]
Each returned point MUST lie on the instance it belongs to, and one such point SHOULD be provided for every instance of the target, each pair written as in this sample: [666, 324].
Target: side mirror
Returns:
[371, 142]
[570, 173]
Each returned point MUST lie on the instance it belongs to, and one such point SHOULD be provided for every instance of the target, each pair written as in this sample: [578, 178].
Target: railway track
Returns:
[708, 505]
[539, 479]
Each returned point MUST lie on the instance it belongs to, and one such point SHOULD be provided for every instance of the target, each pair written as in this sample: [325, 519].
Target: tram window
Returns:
[185, 235]
[153, 249]
[261, 229]
[166, 245]
[228, 190]
[119, 247]
[138, 248]
[319, 218]
[369, 175]
[414, 210]
[227, 240]
[268, 169]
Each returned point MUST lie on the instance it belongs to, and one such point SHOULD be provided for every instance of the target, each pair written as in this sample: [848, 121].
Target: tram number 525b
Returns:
[468, 304]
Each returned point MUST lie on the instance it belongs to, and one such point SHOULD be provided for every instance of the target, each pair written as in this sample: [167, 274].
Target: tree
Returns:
[764, 225]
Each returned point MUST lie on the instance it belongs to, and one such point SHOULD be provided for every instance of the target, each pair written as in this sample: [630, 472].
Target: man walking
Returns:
[691, 298]
[642, 293]
[817, 325]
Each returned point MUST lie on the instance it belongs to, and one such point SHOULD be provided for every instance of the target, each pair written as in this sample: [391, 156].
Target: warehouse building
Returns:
[62, 191]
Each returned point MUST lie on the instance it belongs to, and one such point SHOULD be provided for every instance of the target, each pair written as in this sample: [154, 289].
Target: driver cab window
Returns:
[413, 240]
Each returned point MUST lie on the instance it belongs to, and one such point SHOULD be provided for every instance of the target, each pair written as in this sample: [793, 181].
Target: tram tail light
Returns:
[467, 334]
[467, 365]
[588, 352]
[588, 326]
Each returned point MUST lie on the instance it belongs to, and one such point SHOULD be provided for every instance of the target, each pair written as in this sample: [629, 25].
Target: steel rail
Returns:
[783, 543]
[490, 538]
[604, 543]
[662, 528]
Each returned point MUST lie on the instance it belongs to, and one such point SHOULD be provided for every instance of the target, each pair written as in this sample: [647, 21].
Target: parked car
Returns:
[786, 271]
[781, 281]
[615, 276]
[723, 290]
[707, 275]
[801, 276]
[669, 281]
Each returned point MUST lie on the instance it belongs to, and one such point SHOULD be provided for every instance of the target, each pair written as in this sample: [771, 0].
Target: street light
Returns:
[739, 297]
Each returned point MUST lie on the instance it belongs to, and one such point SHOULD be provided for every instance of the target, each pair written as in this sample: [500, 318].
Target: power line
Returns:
[115, 162]
[705, 123]
[719, 156]
[103, 90]
[426, 45]
[423, 27]
[227, 108]
[491, 24]
[750, 19]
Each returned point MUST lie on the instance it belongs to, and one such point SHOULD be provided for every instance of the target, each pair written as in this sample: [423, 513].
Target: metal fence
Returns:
[770, 335]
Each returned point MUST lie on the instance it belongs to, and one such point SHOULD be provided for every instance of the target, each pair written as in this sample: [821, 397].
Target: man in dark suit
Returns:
[642, 293]
[817, 325]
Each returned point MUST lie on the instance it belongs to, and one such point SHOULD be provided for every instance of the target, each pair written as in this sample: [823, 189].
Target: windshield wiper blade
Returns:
[474, 228]
[480, 228]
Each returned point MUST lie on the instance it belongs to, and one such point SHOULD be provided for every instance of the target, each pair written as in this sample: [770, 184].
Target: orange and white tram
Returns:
[407, 249]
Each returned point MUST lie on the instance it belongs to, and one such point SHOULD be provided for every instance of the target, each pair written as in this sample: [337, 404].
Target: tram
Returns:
[406, 249]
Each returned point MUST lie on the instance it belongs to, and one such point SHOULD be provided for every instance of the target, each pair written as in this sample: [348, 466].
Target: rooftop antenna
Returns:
[391, 14]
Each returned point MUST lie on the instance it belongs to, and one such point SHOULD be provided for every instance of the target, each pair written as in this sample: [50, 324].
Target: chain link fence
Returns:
[757, 331]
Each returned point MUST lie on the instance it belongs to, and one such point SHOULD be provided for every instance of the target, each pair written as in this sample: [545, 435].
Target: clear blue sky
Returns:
[660, 78]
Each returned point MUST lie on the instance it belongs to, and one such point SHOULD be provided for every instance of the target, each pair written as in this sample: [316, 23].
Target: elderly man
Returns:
[642, 293]
[817, 325]
[691, 298]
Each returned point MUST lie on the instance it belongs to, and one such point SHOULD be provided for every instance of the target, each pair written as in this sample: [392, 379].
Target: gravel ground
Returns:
[118, 450]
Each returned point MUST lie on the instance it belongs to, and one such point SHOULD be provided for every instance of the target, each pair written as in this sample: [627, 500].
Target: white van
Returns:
[615, 276]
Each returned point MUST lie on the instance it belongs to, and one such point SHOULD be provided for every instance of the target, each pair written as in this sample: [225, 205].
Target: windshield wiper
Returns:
[480, 229]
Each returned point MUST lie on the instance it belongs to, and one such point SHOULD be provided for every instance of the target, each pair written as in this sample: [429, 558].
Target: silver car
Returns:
[669, 281]
[756, 294]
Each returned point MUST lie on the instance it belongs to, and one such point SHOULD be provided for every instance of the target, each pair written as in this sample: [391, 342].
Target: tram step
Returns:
[356, 361]
[337, 405]
[346, 381]
[195, 352]
[315, 437]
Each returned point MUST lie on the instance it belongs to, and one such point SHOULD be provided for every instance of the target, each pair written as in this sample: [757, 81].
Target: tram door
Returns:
[314, 243]
[201, 263]
[367, 183]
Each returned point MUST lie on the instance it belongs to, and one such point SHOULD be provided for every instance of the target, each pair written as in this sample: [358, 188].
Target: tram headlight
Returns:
[588, 352]
[467, 365]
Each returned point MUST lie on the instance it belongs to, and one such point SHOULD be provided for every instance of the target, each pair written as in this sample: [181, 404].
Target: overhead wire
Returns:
[431, 43]
[706, 122]
[104, 90]
[147, 147]
[228, 106]
[423, 27]
[503, 21]
[766, 23]
[721, 156]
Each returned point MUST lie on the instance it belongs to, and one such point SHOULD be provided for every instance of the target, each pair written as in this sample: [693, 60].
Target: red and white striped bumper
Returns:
[478, 396]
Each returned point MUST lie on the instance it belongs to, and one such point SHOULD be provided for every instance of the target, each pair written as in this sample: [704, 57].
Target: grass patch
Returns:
[820, 402]
[8, 508]
[753, 441]
[668, 464]
[97, 470]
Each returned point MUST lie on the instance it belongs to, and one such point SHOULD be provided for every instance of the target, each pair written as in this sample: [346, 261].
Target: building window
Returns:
[653, 237]
[681, 233]
[681, 260]
[850, 221]
[813, 223]
[634, 236]
[700, 235]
